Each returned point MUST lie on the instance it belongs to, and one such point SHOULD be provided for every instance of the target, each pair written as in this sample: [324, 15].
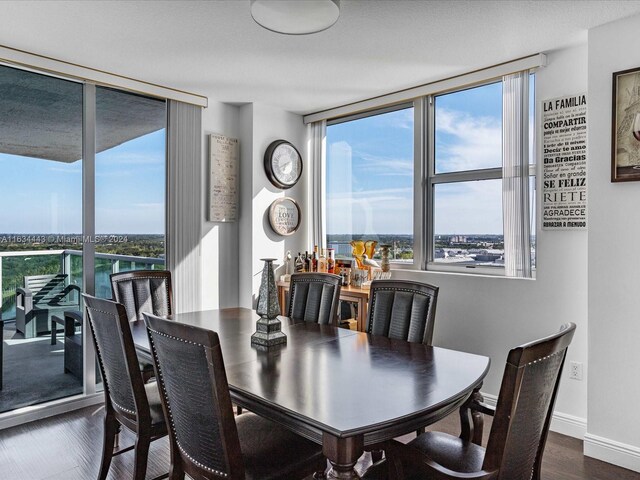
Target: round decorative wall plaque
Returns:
[284, 216]
[282, 164]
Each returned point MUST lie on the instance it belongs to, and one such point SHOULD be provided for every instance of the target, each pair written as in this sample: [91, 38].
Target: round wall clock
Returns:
[284, 216]
[282, 164]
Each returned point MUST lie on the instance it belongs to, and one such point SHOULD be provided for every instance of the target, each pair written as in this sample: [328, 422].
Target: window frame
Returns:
[425, 180]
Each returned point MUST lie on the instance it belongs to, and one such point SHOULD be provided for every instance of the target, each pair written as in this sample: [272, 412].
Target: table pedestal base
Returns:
[343, 454]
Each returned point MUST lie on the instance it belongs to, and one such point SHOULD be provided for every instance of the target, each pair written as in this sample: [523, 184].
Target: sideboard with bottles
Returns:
[354, 303]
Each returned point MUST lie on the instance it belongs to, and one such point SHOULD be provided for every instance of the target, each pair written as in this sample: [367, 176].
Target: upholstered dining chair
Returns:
[128, 400]
[518, 433]
[314, 297]
[206, 442]
[403, 310]
[143, 291]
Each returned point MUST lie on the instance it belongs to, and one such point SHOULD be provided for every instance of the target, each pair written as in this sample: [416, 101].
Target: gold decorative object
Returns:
[359, 248]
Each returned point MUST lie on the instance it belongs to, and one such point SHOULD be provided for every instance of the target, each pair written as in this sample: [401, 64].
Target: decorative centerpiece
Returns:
[362, 248]
[268, 327]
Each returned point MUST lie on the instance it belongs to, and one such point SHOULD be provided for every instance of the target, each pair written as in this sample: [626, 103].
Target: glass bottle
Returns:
[307, 262]
[331, 261]
[314, 262]
[322, 261]
[299, 265]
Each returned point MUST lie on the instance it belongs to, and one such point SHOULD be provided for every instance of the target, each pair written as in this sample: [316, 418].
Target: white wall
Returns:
[260, 125]
[490, 315]
[614, 263]
[219, 246]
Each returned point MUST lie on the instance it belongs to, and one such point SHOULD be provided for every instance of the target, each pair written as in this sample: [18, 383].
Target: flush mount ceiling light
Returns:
[295, 17]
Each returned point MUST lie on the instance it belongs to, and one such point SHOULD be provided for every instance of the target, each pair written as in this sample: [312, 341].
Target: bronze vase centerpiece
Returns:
[268, 328]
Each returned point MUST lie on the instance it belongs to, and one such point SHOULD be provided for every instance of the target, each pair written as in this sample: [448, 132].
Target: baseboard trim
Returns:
[57, 407]
[562, 423]
[610, 451]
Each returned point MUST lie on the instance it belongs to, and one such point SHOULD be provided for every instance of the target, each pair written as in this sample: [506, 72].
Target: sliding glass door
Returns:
[58, 208]
[40, 236]
[130, 185]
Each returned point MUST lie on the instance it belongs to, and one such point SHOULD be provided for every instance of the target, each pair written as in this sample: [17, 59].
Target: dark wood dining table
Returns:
[340, 388]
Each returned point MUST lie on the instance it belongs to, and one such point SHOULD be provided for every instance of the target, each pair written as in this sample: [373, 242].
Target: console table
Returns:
[357, 295]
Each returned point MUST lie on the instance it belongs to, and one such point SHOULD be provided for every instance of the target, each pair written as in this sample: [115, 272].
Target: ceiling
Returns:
[214, 48]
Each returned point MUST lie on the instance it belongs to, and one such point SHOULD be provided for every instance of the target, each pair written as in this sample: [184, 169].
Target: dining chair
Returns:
[129, 402]
[402, 310]
[206, 442]
[519, 430]
[314, 297]
[143, 291]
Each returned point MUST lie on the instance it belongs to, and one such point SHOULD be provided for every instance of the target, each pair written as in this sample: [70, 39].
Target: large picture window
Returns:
[453, 194]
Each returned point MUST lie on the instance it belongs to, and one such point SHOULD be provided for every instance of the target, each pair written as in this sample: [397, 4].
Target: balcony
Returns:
[33, 368]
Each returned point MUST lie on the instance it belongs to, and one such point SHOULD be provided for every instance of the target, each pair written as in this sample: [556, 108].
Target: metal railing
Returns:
[70, 263]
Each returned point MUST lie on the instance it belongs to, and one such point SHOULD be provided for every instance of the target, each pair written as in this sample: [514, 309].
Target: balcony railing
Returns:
[63, 261]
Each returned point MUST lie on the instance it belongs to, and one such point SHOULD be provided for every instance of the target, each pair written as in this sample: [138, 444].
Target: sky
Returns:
[370, 168]
[43, 196]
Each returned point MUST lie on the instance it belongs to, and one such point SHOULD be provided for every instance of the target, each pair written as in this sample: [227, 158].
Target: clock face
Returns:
[283, 164]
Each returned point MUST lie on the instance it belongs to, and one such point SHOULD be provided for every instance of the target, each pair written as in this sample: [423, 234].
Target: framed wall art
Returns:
[223, 178]
[284, 216]
[625, 134]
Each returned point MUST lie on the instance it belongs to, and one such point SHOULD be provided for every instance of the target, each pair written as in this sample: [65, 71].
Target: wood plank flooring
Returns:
[67, 447]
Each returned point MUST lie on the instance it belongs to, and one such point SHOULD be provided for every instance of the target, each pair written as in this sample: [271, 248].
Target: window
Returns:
[369, 182]
[375, 189]
[466, 184]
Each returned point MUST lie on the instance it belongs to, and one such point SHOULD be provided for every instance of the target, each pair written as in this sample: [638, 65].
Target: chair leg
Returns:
[238, 410]
[176, 472]
[376, 456]
[141, 456]
[110, 428]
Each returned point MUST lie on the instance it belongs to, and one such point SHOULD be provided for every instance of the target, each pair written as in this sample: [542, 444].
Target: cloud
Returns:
[149, 205]
[467, 142]
[386, 165]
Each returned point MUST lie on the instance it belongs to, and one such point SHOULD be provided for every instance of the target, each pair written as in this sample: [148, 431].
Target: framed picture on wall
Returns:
[625, 134]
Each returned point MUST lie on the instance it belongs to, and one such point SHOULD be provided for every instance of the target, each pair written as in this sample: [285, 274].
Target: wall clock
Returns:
[284, 216]
[282, 164]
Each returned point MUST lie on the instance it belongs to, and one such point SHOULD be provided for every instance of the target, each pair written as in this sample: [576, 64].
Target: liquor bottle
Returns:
[331, 261]
[322, 262]
[307, 262]
[299, 265]
[314, 262]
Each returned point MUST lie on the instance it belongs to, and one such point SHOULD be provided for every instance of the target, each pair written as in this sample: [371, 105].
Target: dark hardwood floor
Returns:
[67, 447]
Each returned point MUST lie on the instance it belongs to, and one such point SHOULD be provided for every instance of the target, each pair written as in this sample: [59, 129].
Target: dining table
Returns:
[343, 389]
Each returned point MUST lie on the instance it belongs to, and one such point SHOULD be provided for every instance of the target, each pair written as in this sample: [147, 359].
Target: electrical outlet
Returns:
[575, 371]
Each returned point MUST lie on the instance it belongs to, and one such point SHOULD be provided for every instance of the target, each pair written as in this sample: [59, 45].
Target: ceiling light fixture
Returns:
[295, 17]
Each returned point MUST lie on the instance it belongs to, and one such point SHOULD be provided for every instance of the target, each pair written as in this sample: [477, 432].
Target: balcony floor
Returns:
[34, 371]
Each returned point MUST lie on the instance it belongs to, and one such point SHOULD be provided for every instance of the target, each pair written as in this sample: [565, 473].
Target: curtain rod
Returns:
[42, 63]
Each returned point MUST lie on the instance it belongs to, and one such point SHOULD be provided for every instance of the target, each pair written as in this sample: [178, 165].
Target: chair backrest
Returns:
[403, 310]
[143, 291]
[195, 398]
[46, 289]
[123, 384]
[525, 405]
[313, 297]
